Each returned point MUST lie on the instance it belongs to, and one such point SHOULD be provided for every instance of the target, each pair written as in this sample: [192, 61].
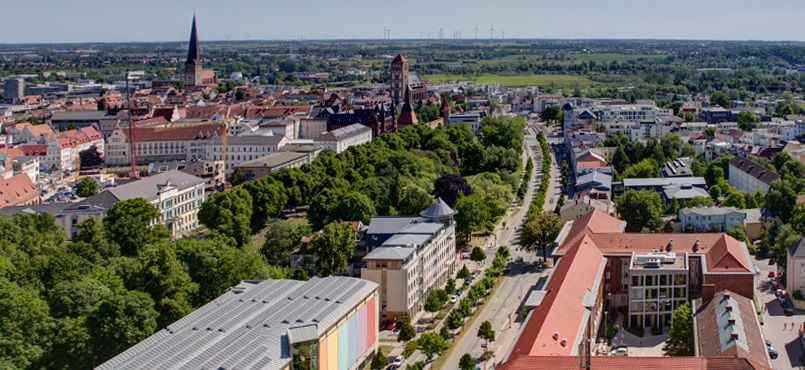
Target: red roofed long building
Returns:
[18, 190]
[597, 264]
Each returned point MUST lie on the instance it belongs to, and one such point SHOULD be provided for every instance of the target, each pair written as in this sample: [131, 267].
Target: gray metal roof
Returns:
[388, 225]
[797, 250]
[149, 187]
[344, 132]
[274, 159]
[695, 181]
[390, 253]
[595, 177]
[89, 115]
[250, 326]
[709, 211]
[438, 209]
[407, 240]
[684, 192]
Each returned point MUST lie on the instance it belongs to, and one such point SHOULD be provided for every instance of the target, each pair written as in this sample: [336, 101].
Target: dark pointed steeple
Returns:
[193, 49]
[407, 115]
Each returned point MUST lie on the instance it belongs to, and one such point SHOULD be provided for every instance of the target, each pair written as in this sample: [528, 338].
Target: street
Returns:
[777, 328]
[501, 308]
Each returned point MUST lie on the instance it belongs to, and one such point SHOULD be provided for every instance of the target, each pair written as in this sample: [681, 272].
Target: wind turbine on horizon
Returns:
[476, 31]
[492, 32]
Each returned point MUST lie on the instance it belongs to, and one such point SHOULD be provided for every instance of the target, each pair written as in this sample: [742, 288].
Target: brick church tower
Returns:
[192, 67]
[399, 79]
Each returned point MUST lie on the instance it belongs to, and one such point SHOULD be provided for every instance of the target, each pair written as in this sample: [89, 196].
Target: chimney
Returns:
[708, 292]
[733, 335]
[727, 295]
[556, 335]
[731, 321]
[564, 342]
[696, 246]
[671, 245]
[729, 308]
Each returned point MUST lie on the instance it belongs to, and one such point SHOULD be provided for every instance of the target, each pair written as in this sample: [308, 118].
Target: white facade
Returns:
[27, 165]
[240, 149]
[343, 138]
[630, 113]
[701, 218]
[472, 119]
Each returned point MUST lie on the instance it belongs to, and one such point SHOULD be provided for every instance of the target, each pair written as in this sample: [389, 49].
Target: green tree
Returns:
[406, 331]
[229, 213]
[466, 362]
[323, 207]
[539, 232]
[379, 360]
[433, 303]
[102, 104]
[737, 232]
[333, 248]
[25, 326]
[282, 238]
[121, 321]
[128, 224]
[454, 320]
[473, 215]
[450, 286]
[641, 209]
[477, 255]
[431, 343]
[450, 187]
[419, 365]
[646, 168]
[445, 333]
[463, 273]
[736, 199]
[486, 332]
[748, 120]
[552, 113]
[680, 336]
[781, 200]
[355, 206]
[413, 200]
[238, 177]
[87, 187]
[268, 200]
[165, 279]
[721, 99]
[715, 192]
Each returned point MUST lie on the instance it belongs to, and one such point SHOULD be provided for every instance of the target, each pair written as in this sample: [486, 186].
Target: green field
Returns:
[517, 81]
[609, 57]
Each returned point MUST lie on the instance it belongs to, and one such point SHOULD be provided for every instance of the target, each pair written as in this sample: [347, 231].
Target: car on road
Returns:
[771, 274]
[620, 351]
[398, 360]
[453, 299]
[459, 291]
[473, 275]
[467, 281]
[773, 353]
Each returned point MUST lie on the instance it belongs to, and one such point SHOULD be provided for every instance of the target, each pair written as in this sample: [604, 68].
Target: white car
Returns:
[453, 299]
[620, 351]
[398, 361]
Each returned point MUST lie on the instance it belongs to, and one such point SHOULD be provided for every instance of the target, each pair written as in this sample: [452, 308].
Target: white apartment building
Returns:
[795, 269]
[630, 113]
[409, 257]
[659, 284]
[177, 196]
[749, 176]
[28, 165]
[341, 139]
[473, 119]
[245, 148]
[701, 218]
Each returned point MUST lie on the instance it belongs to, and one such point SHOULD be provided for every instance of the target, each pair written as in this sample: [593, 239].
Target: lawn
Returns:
[518, 80]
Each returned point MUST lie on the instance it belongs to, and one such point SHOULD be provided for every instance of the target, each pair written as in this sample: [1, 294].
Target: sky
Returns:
[54, 21]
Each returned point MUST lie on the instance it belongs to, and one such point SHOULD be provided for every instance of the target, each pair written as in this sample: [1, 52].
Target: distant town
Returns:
[441, 203]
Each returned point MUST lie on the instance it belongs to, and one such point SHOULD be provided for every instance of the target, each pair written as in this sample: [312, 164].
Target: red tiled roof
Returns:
[175, 132]
[17, 190]
[631, 363]
[34, 149]
[399, 59]
[725, 256]
[562, 309]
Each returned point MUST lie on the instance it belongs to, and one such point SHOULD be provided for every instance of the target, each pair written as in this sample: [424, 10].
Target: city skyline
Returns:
[318, 20]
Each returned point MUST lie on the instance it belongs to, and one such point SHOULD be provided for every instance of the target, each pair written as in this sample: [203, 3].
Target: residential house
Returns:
[795, 269]
[685, 188]
[18, 190]
[341, 139]
[576, 208]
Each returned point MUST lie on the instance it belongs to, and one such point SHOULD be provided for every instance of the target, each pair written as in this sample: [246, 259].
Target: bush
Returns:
[410, 348]
[637, 330]
[656, 330]
[607, 330]
[798, 295]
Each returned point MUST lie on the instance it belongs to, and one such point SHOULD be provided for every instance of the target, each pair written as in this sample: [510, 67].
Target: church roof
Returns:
[407, 115]
[399, 59]
[193, 49]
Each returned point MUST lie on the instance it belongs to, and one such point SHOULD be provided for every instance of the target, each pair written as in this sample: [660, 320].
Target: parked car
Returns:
[771, 273]
[620, 351]
[773, 353]
[473, 275]
[778, 293]
[453, 299]
[768, 343]
[398, 360]
[788, 312]
[467, 281]
[390, 324]
[459, 291]
[783, 302]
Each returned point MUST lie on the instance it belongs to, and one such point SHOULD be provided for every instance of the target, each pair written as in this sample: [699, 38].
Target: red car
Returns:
[771, 274]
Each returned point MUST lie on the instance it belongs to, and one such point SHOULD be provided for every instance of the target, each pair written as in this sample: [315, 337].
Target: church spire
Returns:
[193, 49]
